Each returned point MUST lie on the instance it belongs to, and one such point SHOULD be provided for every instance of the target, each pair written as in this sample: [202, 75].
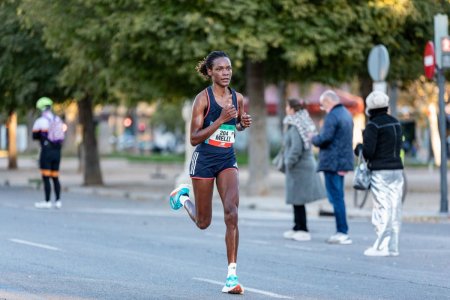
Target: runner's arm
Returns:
[38, 131]
[244, 120]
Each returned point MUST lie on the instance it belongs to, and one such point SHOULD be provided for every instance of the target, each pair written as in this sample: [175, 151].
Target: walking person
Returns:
[335, 158]
[48, 130]
[216, 113]
[303, 183]
[381, 147]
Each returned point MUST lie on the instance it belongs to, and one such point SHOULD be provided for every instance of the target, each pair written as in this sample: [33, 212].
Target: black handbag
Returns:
[361, 181]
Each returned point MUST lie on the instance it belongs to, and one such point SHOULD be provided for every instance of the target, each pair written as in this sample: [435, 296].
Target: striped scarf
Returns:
[304, 124]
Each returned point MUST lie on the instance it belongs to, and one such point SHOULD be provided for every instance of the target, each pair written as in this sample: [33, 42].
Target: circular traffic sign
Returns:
[378, 63]
[429, 61]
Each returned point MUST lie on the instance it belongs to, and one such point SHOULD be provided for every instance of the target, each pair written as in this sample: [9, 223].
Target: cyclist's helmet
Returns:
[44, 103]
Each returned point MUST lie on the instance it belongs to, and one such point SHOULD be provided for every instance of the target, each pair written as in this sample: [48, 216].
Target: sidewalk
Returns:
[153, 182]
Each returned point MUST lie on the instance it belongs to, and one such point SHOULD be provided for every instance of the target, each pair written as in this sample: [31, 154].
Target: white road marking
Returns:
[265, 293]
[34, 244]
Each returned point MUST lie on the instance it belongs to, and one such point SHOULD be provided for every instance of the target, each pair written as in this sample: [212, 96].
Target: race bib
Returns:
[222, 137]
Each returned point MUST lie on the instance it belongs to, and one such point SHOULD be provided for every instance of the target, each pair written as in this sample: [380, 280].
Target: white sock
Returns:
[231, 269]
[183, 199]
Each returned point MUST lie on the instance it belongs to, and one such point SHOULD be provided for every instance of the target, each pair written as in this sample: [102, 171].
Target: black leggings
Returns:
[47, 187]
[300, 218]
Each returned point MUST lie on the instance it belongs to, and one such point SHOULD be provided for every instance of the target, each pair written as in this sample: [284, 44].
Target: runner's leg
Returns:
[228, 187]
[201, 211]
[55, 173]
[47, 187]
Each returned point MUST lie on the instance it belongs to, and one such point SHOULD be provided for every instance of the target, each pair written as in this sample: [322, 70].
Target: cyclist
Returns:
[50, 154]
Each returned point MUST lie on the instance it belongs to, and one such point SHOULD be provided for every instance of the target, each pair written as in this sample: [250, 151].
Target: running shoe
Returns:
[289, 234]
[340, 239]
[43, 204]
[302, 236]
[375, 252]
[174, 200]
[58, 204]
[394, 253]
[232, 286]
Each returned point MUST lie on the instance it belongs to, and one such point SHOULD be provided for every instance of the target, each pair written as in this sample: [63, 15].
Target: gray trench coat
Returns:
[303, 183]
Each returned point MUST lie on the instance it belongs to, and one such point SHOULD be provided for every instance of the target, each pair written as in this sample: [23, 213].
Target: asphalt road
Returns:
[110, 248]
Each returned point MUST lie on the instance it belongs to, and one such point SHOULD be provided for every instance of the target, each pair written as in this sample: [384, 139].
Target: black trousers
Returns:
[300, 218]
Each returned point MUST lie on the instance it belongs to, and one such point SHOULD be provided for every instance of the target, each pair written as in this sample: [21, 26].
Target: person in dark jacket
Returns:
[336, 158]
[382, 142]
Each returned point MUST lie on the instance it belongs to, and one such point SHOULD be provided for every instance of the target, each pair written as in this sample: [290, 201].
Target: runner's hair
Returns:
[207, 63]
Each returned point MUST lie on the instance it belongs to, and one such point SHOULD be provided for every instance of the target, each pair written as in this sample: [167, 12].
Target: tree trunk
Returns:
[32, 145]
[92, 172]
[281, 103]
[258, 143]
[12, 140]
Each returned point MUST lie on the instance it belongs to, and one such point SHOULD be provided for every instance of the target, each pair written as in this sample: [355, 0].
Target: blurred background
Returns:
[120, 72]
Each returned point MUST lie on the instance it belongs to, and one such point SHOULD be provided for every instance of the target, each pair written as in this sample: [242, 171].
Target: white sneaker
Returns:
[302, 236]
[375, 252]
[394, 253]
[58, 204]
[289, 234]
[340, 239]
[43, 204]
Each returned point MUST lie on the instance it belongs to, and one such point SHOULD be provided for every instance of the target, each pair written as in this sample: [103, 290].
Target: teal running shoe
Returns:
[232, 286]
[174, 200]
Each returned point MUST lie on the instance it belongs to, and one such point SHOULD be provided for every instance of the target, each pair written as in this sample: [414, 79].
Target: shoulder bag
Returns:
[361, 181]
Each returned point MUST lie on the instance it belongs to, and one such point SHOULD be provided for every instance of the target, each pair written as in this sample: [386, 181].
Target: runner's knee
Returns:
[203, 223]
[231, 217]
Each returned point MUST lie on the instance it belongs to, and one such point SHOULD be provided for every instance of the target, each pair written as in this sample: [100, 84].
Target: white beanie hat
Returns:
[376, 99]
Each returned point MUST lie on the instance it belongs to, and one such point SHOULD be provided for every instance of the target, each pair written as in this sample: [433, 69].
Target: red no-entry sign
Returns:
[429, 61]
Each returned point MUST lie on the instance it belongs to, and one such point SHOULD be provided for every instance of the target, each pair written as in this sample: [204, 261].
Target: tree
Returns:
[159, 43]
[77, 33]
[145, 50]
[27, 70]
[404, 28]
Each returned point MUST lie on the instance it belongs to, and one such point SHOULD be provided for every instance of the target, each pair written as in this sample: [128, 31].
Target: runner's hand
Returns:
[246, 120]
[228, 111]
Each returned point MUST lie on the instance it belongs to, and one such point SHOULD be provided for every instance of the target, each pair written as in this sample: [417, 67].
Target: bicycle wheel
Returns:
[360, 197]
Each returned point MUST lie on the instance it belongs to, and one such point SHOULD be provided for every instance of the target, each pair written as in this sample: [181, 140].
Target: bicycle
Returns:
[360, 197]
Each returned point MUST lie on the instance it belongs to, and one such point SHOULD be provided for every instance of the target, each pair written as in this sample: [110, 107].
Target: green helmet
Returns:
[43, 103]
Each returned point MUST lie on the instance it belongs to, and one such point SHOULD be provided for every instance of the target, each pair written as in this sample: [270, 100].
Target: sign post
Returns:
[442, 43]
[429, 61]
[378, 65]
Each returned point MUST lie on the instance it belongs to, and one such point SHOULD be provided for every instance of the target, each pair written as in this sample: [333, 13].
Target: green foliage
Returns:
[77, 31]
[144, 50]
[27, 69]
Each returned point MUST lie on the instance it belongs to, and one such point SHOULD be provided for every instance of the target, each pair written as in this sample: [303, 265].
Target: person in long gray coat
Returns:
[303, 183]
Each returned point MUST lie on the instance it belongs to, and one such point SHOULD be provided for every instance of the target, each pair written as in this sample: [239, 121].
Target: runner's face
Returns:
[221, 71]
